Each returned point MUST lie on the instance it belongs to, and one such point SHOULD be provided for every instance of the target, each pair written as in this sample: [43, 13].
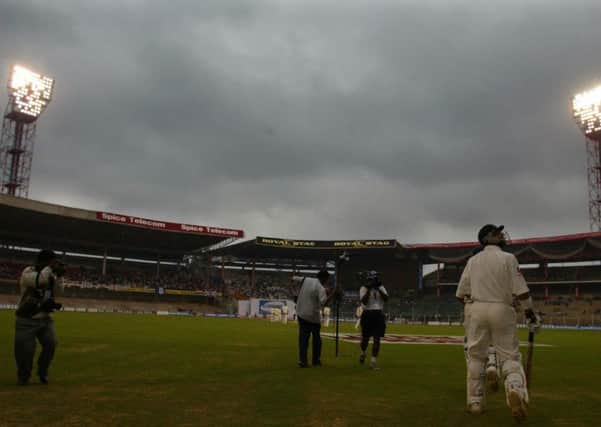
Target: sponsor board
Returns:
[414, 339]
[325, 244]
[265, 306]
[171, 226]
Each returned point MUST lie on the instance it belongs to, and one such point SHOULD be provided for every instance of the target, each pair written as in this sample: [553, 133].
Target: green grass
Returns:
[134, 370]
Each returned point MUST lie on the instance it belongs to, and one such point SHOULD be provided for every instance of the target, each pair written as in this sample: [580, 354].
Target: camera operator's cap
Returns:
[488, 228]
[45, 256]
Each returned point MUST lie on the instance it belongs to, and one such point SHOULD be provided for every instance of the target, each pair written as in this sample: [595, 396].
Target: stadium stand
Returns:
[562, 293]
[138, 260]
[109, 256]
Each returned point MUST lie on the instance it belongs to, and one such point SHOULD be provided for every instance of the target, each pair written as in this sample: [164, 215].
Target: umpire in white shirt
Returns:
[489, 283]
[312, 297]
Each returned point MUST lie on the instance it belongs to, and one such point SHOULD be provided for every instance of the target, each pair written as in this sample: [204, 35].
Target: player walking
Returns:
[487, 286]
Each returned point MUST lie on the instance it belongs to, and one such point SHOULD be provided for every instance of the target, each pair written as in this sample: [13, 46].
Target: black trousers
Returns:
[305, 330]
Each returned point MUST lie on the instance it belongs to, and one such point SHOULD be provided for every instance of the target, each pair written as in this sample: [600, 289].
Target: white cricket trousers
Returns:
[492, 323]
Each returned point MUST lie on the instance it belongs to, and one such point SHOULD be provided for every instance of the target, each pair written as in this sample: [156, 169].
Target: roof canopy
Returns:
[37, 224]
[263, 249]
[564, 248]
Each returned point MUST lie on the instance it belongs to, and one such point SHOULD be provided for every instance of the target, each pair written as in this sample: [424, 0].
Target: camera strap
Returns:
[38, 290]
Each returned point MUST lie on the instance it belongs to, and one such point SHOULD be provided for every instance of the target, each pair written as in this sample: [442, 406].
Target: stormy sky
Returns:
[314, 119]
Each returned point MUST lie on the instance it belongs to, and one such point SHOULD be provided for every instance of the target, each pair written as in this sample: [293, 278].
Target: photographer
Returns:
[38, 284]
[373, 323]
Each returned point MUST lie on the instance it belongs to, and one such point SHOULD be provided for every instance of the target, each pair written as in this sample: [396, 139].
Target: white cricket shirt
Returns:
[492, 276]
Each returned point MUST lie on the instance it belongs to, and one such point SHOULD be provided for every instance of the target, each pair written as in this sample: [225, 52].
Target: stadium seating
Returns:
[565, 295]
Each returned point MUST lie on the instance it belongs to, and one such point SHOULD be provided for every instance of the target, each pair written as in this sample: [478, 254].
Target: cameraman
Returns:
[373, 323]
[38, 284]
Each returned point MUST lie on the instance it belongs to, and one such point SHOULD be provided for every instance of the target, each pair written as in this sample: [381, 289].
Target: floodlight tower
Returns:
[28, 96]
[587, 112]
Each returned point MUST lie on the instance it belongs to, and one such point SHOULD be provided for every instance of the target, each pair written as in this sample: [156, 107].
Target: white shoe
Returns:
[373, 365]
[519, 408]
[475, 408]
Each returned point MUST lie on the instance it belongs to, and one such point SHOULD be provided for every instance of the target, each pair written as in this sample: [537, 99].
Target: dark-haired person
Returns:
[312, 297]
[39, 284]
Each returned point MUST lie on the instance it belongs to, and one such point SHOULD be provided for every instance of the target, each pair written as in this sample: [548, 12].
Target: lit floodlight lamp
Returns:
[30, 92]
[587, 112]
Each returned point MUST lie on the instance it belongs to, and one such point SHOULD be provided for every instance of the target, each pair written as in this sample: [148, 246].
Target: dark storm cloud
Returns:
[416, 120]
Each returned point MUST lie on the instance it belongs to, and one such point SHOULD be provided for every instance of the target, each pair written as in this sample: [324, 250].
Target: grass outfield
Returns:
[140, 370]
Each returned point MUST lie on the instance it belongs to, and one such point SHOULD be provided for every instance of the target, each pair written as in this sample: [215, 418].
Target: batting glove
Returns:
[533, 320]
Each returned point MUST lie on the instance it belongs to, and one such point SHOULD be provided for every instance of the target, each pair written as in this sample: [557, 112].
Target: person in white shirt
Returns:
[39, 285]
[373, 322]
[487, 288]
[311, 299]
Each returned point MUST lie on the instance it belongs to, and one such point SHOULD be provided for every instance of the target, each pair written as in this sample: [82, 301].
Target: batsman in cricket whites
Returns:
[487, 288]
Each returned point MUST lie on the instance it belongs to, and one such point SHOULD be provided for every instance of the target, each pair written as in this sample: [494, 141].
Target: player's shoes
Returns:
[302, 365]
[492, 379]
[475, 408]
[362, 358]
[519, 408]
[373, 365]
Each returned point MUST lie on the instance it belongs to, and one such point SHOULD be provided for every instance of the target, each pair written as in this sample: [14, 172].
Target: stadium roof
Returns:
[272, 248]
[563, 248]
[31, 223]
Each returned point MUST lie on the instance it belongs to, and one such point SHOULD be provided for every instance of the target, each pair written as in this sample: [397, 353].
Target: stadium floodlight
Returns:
[31, 92]
[586, 107]
[587, 112]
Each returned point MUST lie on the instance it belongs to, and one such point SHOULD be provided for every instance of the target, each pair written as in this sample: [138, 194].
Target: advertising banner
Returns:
[170, 226]
[326, 244]
[261, 307]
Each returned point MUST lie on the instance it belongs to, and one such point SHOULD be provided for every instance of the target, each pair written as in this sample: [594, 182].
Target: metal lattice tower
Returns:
[593, 148]
[28, 95]
[587, 112]
[16, 154]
